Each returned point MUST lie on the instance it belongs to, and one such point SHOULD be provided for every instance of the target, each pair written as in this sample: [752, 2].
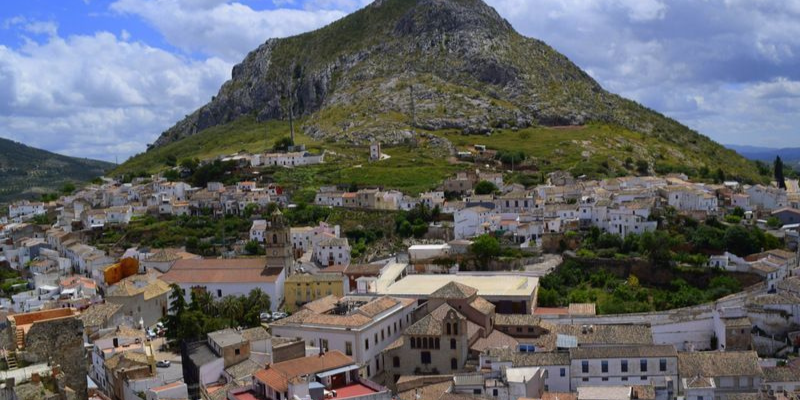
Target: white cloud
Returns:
[221, 28]
[98, 96]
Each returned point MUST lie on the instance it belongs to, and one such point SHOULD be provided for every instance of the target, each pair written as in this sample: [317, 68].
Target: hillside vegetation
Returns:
[27, 172]
[405, 71]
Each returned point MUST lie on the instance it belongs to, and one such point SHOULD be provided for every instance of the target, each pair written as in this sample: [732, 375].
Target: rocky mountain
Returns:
[401, 70]
[27, 172]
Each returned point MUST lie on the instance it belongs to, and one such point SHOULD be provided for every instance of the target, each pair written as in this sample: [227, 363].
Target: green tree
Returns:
[283, 144]
[232, 308]
[485, 247]
[774, 222]
[719, 176]
[68, 188]
[252, 247]
[779, 179]
[739, 241]
[485, 187]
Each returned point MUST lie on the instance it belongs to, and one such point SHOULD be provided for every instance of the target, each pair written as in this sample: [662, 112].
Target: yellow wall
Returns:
[317, 290]
[121, 270]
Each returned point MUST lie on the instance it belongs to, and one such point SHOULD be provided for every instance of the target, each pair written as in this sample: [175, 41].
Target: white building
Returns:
[288, 160]
[306, 238]
[24, 210]
[469, 221]
[223, 277]
[332, 251]
[358, 327]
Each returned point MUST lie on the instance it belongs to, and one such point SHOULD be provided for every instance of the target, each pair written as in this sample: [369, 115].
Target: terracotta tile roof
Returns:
[431, 324]
[99, 314]
[278, 375]
[307, 278]
[716, 364]
[123, 331]
[453, 291]
[378, 306]
[323, 305]
[255, 334]
[516, 320]
[432, 391]
[496, 339]
[483, 306]
[664, 350]
[334, 269]
[608, 334]
[781, 374]
[237, 270]
[363, 269]
[314, 315]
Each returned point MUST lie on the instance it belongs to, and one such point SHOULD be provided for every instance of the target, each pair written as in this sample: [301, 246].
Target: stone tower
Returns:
[278, 243]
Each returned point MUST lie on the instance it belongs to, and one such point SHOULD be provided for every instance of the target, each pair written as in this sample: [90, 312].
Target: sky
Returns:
[102, 79]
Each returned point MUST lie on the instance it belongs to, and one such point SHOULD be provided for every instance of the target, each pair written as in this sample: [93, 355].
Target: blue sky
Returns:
[102, 79]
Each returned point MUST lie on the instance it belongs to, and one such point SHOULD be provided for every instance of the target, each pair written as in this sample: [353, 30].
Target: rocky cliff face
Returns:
[401, 67]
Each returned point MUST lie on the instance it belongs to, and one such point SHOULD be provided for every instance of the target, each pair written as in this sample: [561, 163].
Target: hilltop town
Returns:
[638, 287]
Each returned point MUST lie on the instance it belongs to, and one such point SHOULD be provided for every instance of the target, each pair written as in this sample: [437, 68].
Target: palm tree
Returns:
[258, 301]
[232, 307]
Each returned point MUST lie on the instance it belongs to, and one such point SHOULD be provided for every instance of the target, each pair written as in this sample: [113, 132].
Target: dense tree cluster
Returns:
[193, 320]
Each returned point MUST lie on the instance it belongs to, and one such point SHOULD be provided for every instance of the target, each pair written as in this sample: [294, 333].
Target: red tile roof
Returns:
[237, 270]
[278, 375]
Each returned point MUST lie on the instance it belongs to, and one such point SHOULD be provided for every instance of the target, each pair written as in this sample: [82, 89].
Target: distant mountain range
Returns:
[27, 172]
[766, 153]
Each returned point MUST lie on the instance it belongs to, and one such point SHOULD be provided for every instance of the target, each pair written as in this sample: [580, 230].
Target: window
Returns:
[562, 372]
[425, 357]
[237, 352]
[643, 365]
[376, 338]
[382, 338]
[604, 366]
[644, 378]
[623, 366]
[453, 344]
[662, 365]
[585, 367]
[219, 292]
[323, 343]
[396, 362]
[348, 348]
[605, 379]
[366, 344]
[453, 364]
[476, 391]
[624, 378]
[449, 329]
[455, 328]
[494, 392]
[436, 343]
[585, 379]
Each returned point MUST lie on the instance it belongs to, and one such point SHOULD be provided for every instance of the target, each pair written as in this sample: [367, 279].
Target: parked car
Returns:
[278, 315]
[265, 316]
[163, 363]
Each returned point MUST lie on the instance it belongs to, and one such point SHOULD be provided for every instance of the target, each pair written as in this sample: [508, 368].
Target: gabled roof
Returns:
[454, 291]
[278, 375]
[431, 324]
[715, 364]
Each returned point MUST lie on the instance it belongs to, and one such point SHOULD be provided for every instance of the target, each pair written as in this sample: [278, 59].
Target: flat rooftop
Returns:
[487, 285]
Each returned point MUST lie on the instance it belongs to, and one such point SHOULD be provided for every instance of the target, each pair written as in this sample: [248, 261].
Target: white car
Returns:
[163, 363]
[278, 315]
[265, 316]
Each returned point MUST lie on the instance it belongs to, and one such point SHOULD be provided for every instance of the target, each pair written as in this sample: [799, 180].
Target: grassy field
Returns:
[409, 169]
[599, 150]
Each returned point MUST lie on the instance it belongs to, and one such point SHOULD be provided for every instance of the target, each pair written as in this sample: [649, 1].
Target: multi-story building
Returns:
[300, 289]
[726, 373]
[655, 365]
[332, 251]
[356, 326]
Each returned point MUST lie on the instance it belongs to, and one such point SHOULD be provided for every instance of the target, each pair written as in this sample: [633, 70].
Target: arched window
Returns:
[449, 332]
[455, 328]
[413, 343]
[396, 362]
[453, 364]
[424, 343]
[453, 344]
[274, 238]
